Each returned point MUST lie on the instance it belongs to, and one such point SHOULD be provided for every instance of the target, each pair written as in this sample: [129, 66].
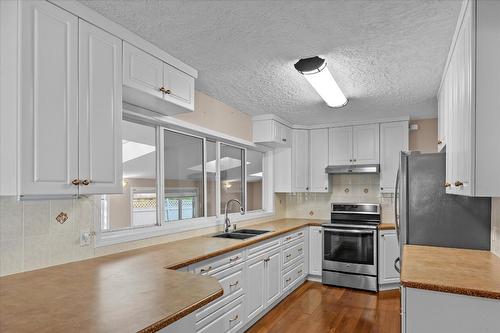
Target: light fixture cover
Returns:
[317, 74]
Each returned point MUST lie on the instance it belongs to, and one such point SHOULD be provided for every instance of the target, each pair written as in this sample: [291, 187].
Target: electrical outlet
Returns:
[85, 237]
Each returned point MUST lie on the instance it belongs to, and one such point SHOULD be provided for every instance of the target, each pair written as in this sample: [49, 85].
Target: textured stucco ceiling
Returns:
[387, 56]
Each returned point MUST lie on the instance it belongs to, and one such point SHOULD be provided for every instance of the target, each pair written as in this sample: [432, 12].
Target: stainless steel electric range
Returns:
[350, 246]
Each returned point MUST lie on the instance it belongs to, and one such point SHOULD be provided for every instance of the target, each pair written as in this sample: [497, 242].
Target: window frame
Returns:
[110, 237]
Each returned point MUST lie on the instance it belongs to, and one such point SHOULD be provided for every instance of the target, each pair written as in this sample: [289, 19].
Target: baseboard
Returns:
[389, 286]
[314, 278]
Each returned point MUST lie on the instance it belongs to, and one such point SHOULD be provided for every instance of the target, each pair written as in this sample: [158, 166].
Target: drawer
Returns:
[293, 236]
[260, 248]
[227, 319]
[212, 266]
[294, 275]
[232, 282]
[292, 253]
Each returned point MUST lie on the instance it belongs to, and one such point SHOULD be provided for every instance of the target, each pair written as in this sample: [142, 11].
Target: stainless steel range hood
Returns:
[361, 168]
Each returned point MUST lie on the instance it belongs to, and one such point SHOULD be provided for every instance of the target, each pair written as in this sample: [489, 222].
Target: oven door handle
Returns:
[350, 231]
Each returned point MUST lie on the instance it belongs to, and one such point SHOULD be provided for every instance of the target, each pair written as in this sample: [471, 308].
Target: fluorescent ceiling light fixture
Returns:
[258, 174]
[315, 71]
[132, 150]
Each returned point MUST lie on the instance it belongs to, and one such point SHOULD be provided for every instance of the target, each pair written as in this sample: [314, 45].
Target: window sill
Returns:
[137, 234]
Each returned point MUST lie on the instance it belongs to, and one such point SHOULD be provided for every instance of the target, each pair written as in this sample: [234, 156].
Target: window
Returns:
[184, 183]
[136, 207]
[255, 174]
[231, 176]
[175, 181]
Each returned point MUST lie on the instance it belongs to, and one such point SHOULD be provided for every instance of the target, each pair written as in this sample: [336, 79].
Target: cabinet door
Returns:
[179, 87]
[142, 71]
[389, 251]
[300, 161]
[318, 160]
[255, 282]
[100, 111]
[365, 142]
[283, 170]
[49, 103]
[393, 140]
[340, 145]
[273, 276]
[315, 250]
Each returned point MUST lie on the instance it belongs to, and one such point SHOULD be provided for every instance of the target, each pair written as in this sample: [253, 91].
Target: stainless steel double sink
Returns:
[241, 233]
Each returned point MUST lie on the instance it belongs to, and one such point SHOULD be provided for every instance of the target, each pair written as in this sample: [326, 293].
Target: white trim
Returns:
[91, 16]
[189, 128]
[135, 234]
[274, 117]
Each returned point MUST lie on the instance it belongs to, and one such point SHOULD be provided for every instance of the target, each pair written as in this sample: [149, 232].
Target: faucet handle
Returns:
[242, 211]
[234, 227]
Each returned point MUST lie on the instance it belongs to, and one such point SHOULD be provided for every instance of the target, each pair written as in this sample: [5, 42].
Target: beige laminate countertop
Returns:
[458, 271]
[124, 292]
[386, 226]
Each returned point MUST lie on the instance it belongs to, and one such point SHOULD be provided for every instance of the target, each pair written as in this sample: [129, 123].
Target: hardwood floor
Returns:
[314, 307]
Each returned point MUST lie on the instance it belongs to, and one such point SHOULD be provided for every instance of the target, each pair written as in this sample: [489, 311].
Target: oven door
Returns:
[350, 250]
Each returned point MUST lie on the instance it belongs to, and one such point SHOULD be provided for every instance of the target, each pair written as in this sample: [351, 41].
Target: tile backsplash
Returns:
[343, 188]
[31, 237]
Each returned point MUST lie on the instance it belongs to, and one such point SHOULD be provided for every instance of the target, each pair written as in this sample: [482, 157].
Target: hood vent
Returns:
[362, 168]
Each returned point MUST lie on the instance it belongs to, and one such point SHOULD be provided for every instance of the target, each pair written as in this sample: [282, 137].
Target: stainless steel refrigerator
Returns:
[426, 215]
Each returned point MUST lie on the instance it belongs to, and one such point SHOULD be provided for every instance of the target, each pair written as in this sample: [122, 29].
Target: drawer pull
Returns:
[234, 318]
[300, 234]
[288, 256]
[234, 259]
[267, 260]
[300, 250]
[288, 238]
[288, 280]
[205, 270]
[299, 271]
[234, 284]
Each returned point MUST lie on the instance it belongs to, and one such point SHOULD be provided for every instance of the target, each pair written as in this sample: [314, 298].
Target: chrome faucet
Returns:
[227, 222]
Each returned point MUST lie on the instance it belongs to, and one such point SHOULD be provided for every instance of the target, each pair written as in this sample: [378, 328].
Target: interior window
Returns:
[183, 169]
[211, 153]
[231, 176]
[136, 207]
[255, 174]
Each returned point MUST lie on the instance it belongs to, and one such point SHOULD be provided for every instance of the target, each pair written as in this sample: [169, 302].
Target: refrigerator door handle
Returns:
[396, 205]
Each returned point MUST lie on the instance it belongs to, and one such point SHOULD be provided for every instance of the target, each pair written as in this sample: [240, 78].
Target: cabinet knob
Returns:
[446, 184]
[165, 90]
[307, 188]
[168, 91]
[284, 140]
[162, 89]
[458, 183]
[85, 182]
[326, 187]
[440, 142]
[75, 182]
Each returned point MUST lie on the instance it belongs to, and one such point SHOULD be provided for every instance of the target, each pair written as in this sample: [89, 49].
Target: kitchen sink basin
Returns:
[252, 231]
[241, 234]
[234, 235]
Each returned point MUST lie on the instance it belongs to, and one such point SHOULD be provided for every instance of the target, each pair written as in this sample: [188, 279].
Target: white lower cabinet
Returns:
[254, 279]
[388, 253]
[432, 311]
[315, 250]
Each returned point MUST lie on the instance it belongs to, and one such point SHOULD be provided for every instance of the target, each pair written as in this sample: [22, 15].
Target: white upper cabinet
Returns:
[318, 142]
[271, 133]
[354, 145]
[393, 140]
[340, 146]
[142, 71]
[153, 84]
[100, 111]
[300, 161]
[365, 142]
[469, 102]
[179, 87]
[49, 103]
